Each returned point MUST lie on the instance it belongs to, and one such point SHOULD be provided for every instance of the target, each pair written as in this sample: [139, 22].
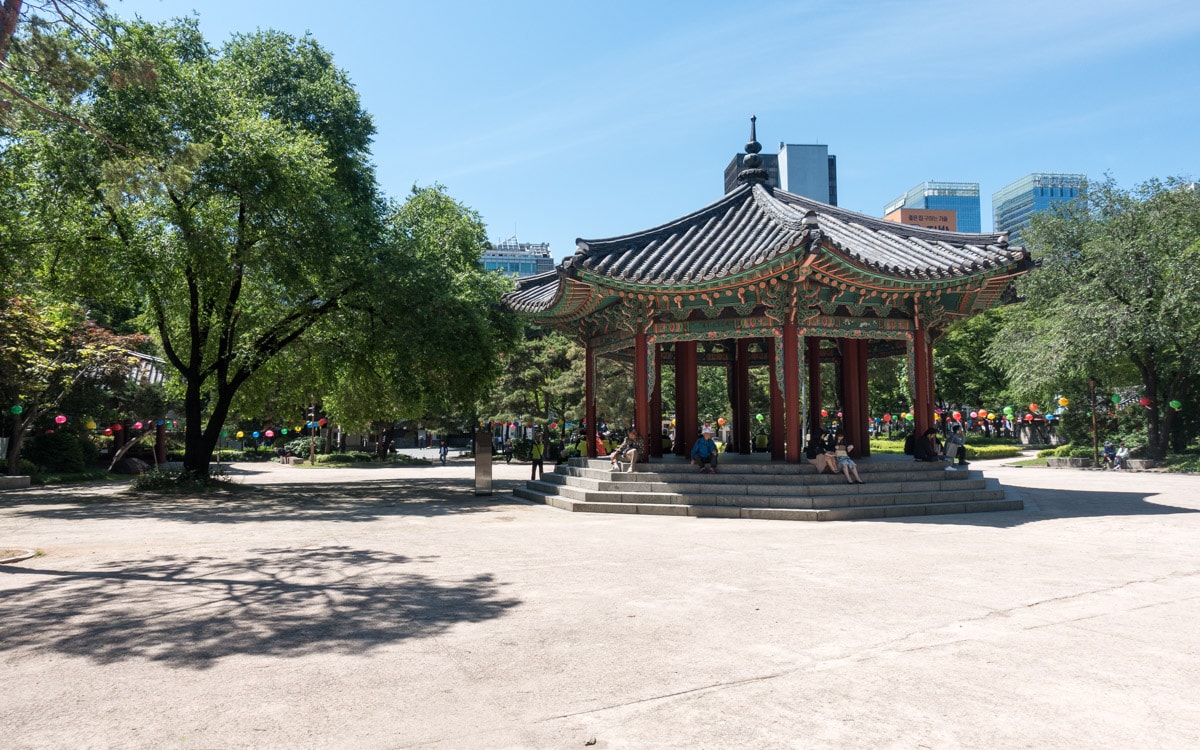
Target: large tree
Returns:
[233, 193]
[1116, 297]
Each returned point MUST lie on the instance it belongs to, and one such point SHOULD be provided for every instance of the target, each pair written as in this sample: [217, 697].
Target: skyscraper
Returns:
[1014, 204]
[960, 197]
[808, 170]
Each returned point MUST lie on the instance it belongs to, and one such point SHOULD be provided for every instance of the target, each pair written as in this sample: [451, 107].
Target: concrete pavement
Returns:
[390, 608]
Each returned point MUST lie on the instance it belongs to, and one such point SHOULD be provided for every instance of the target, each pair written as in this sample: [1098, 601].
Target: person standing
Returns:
[443, 450]
[537, 454]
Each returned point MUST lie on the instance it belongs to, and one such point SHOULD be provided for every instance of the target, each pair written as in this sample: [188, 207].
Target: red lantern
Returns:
[887, 417]
[1144, 401]
[321, 421]
[824, 413]
[107, 430]
[721, 421]
[1028, 417]
[49, 432]
[1033, 407]
[117, 427]
[957, 416]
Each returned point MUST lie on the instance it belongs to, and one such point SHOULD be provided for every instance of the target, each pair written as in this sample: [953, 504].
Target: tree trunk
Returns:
[199, 441]
[20, 427]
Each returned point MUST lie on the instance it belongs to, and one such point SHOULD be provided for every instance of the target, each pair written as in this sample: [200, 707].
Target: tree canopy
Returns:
[232, 195]
[1115, 298]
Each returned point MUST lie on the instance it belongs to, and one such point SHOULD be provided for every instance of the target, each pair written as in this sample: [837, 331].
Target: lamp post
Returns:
[1095, 443]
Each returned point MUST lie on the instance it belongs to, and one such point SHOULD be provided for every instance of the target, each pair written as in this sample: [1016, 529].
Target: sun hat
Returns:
[708, 431]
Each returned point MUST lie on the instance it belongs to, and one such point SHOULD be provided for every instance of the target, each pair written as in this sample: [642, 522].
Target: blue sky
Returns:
[557, 120]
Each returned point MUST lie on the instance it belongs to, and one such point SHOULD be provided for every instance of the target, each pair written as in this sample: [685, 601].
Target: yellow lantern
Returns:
[1064, 401]
[240, 435]
[90, 425]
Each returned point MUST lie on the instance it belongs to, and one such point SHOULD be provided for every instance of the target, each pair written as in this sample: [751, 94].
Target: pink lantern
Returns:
[974, 414]
[137, 425]
[107, 430]
[270, 433]
[60, 419]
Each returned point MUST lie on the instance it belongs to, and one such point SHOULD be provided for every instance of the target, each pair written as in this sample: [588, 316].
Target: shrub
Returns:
[59, 451]
[992, 451]
[300, 446]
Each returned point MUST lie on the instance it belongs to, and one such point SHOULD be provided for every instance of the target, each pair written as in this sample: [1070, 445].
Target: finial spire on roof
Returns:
[752, 163]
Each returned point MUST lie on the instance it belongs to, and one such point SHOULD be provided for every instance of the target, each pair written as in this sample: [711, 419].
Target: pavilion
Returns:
[765, 277]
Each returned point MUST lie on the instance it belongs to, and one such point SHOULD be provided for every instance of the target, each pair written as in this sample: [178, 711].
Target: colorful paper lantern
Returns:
[721, 421]
[118, 427]
[17, 409]
[957, 416]
[270, 433]
[1176, 404]
[60, 419]
[1028, 417]
[909, 416]
[283, 431]
[137, 425]
[1008, 410]
[887, 417]
[1144, 401]
[107, 430]
[91, 425]
[321, 421]
[974, 415]
[824, 413]
[240, 435]
[254, 434]
[759, 417]
[1033, 407]
[1064, 401]
[1116, 398]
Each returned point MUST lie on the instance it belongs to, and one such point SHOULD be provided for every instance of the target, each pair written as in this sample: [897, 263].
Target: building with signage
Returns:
[801, 169]
[960, 197]
[519, 258]
[1014, 204]
[944, 219]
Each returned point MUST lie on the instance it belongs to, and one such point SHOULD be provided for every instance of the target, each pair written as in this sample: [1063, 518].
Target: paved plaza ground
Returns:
[390, 608]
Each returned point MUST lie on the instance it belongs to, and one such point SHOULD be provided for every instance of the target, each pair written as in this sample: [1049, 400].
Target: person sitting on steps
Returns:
[704, 452]
[845, 463]
[628, 450]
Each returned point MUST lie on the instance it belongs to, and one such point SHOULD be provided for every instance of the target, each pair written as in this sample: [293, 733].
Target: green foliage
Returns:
[965, 375]
[992, 451]
[60, 451]
[170, 481]
[1115, 298]
[300, 446]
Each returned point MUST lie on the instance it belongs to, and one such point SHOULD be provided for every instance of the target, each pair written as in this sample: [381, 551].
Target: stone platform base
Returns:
[13, 483]
[747, 487]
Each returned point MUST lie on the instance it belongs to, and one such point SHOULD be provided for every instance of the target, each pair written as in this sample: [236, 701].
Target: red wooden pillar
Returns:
[653, 433]
[791, 390]
[641, 386]
[922, 354]
[589, 397]
[813, 345]
[864, 398]
[160, 442]
[741, 389]
[778, 431]
[685, 397]
[854, 390]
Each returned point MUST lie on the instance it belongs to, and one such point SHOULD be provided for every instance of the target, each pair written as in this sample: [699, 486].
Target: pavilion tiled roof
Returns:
[754, 224]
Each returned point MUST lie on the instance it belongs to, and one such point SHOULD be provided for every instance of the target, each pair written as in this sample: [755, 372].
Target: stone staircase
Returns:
[752, 487]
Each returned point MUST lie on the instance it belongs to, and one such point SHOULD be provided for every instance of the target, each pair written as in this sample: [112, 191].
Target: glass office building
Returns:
[802, 169]
[960, 197]
[1014, 204]
[519, 258]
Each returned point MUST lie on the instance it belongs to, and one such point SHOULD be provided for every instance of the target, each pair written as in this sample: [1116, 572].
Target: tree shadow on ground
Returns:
[192, 611]
[1050, 504]
[358, 501]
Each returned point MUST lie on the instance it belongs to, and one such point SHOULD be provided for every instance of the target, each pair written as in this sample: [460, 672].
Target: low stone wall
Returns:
[1068, 463]
[1141, 464]
[13, 483]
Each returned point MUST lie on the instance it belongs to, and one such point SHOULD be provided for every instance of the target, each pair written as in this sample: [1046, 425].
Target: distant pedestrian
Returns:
[508, 451]
[537, 453]
[443, 451]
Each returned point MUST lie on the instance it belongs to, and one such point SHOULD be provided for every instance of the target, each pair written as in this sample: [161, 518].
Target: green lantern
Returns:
[1008, 410]
[17, 409]
[1176, 404]
[1116, 398]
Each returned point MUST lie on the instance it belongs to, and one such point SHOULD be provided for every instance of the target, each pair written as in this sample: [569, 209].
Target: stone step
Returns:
[887, 472]
[768, 485]
[995, 503]
[794, 495]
